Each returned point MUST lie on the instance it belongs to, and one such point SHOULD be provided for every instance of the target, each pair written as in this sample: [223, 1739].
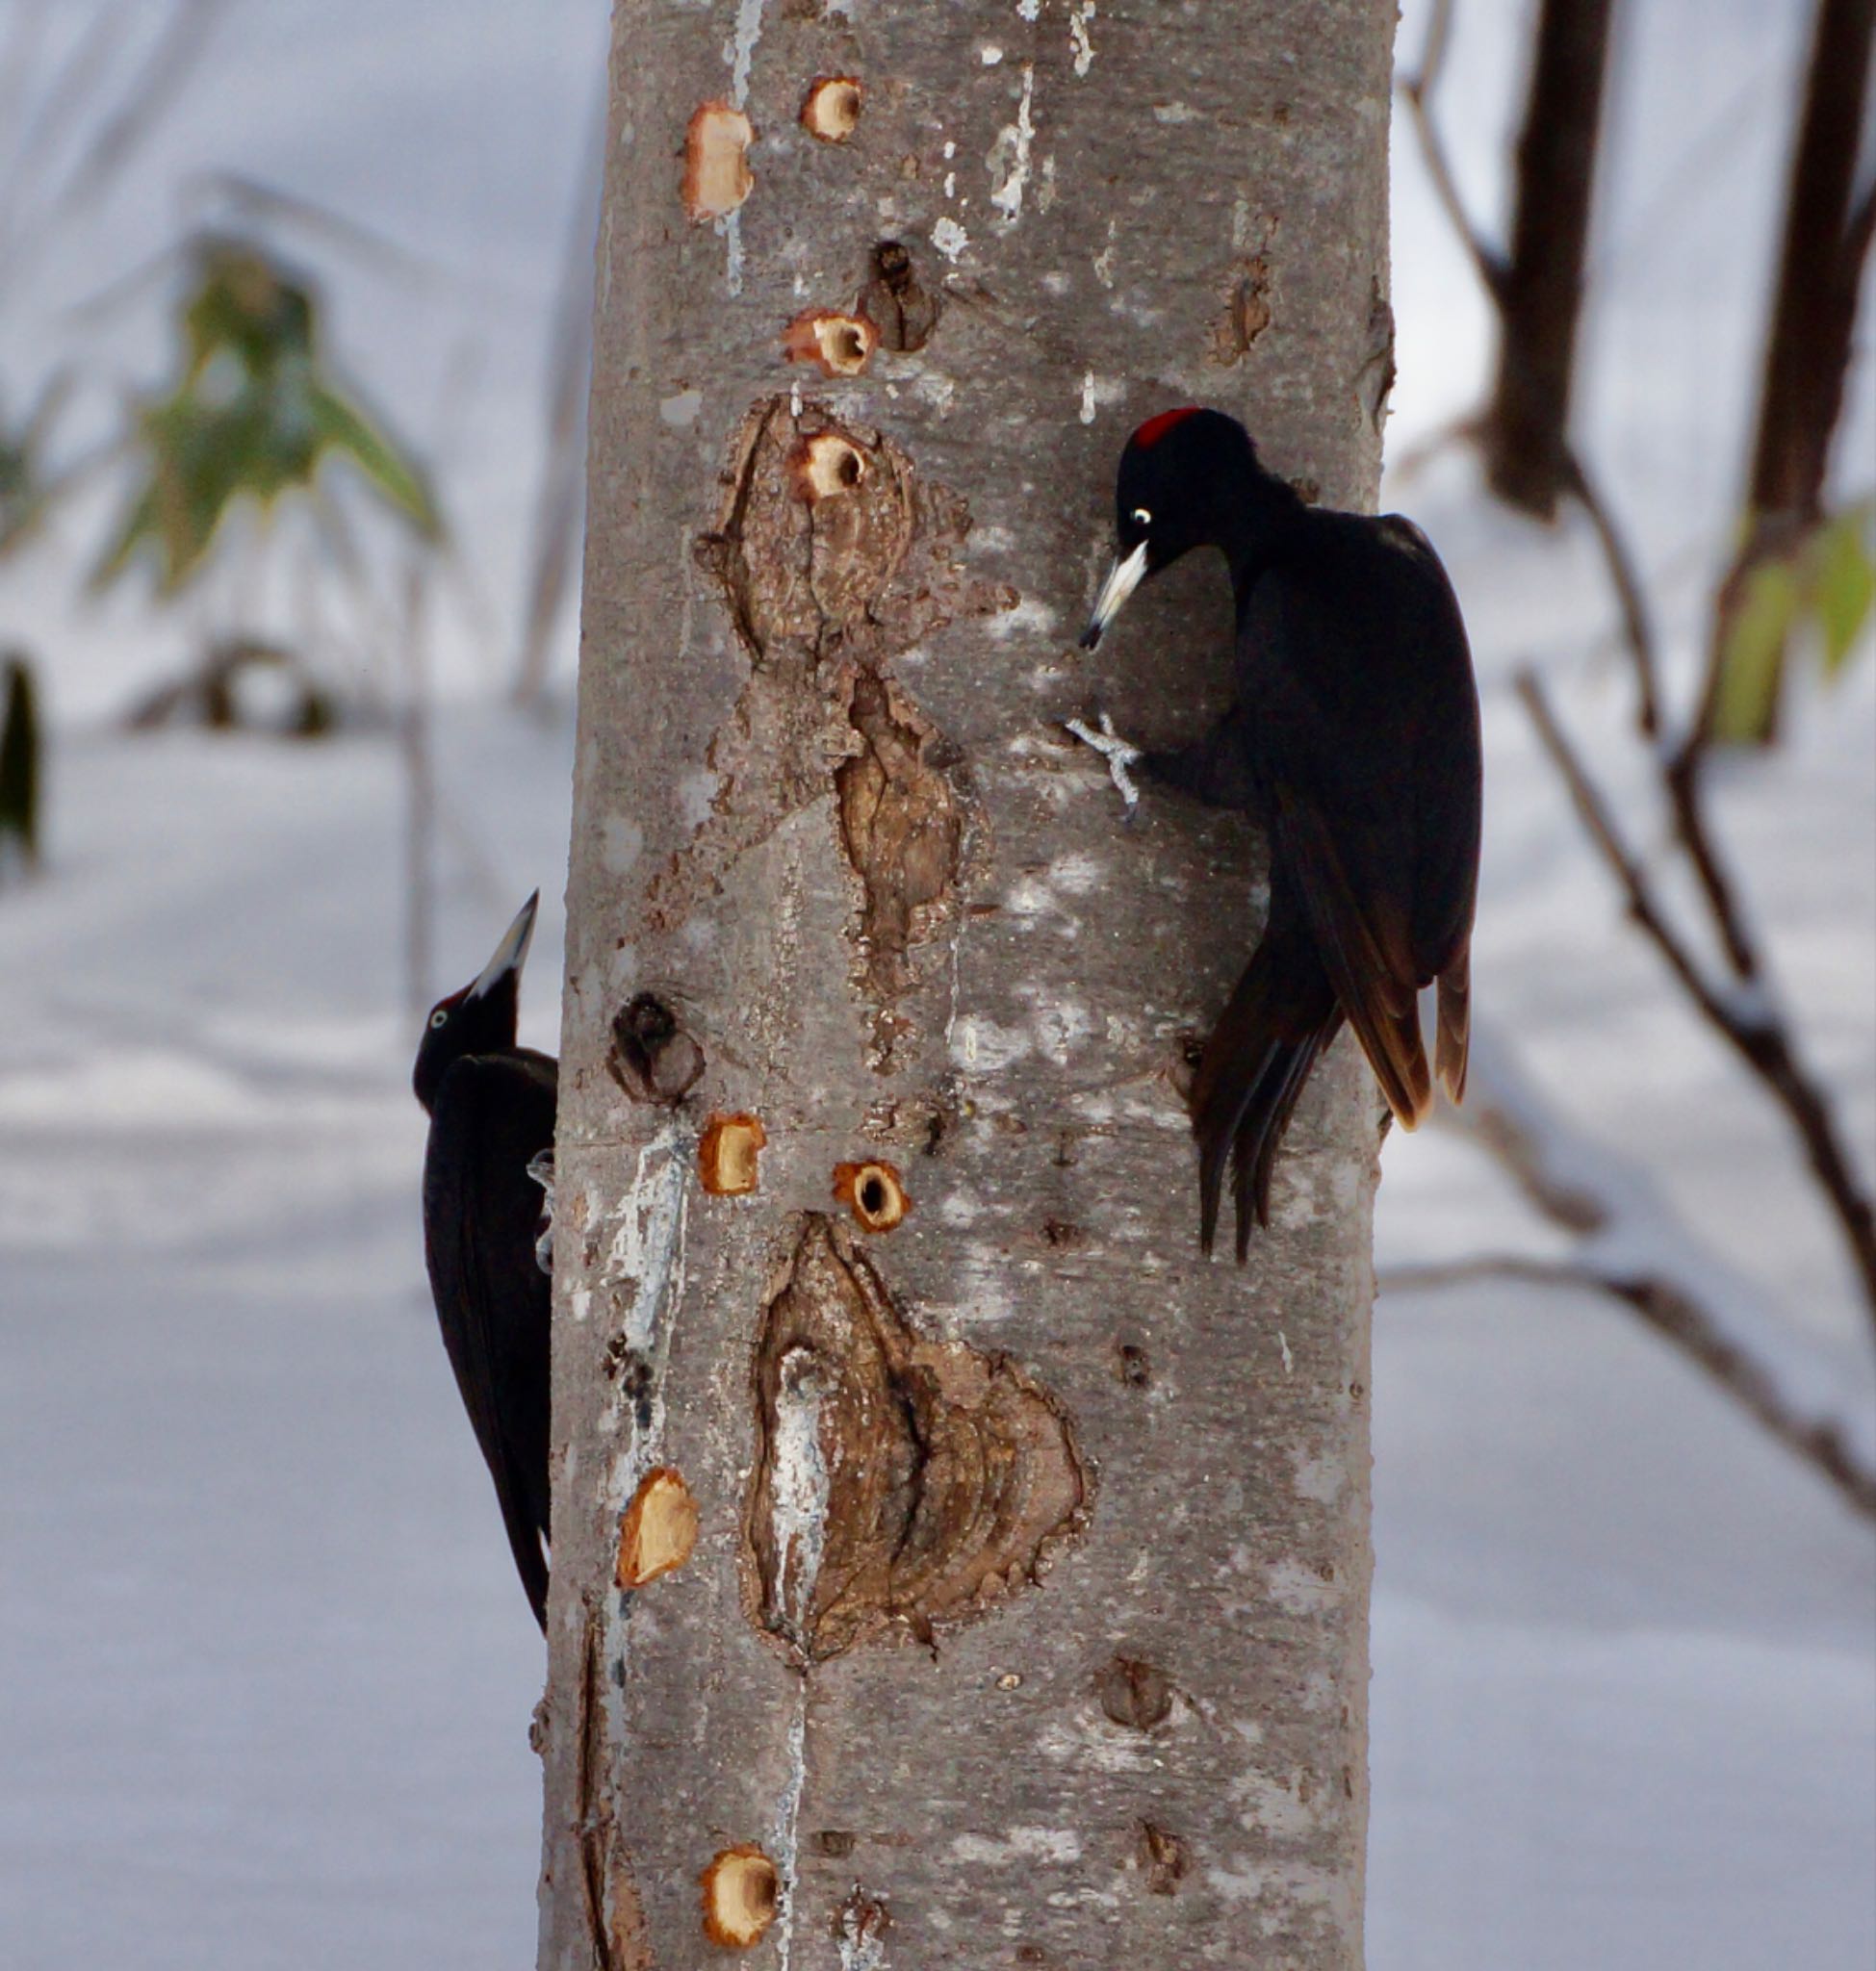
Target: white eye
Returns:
[439, 1018]
[1144, 518]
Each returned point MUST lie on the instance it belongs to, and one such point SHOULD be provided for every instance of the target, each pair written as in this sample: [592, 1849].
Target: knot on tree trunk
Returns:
[900, 1484]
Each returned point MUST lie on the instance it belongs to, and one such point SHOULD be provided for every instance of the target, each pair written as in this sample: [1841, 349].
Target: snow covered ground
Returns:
[266, 1672]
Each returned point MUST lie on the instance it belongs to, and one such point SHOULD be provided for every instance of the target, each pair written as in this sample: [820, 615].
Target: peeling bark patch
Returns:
[741, 1897]
[659, 1528]
[837, 344]
[832, 110]
[902, 830]
[795, 571]
[896, 301]
[717, 178]
[831, 558]
[1245, 314]
[875, 1193]
[941, 1476]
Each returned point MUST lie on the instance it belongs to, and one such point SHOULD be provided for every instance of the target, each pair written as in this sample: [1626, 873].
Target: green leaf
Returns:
[401, 480]
[1757, 628]
[250, 417]
[1843, 582]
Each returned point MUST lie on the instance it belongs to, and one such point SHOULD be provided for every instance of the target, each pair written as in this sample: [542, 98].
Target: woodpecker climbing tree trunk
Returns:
[997, 1569]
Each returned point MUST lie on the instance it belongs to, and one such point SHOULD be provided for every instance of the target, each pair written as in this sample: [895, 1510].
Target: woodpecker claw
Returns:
[1119, 753]
[540, 1168]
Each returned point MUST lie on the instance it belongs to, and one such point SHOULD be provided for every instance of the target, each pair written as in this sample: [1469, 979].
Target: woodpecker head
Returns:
[1175, 492]
[481, 1018]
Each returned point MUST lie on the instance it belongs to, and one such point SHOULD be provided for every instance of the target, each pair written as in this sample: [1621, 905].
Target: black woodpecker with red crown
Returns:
[487, 1184]
[1354, 741]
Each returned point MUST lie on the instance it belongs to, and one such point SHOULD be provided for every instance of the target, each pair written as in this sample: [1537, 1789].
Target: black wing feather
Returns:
[1364, 738]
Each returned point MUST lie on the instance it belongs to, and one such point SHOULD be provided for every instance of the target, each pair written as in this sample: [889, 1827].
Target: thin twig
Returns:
[1673, 1314]
[1750, 1024]
[1625, 577]
[1418, 90]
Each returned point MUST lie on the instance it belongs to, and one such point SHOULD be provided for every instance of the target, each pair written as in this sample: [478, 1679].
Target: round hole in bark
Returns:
[874, 1193]
[827, 466]
[832, 111]
[837, 344]
[1132, 1365]
[741, 1890]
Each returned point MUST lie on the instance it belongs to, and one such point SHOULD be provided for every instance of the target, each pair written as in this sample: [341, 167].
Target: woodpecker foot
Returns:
[1120, 755]
[541, 1169]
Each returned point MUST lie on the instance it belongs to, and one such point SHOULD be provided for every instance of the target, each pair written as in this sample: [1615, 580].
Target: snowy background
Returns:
[265, 1676]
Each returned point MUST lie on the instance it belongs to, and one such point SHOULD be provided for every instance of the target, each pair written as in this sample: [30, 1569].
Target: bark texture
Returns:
[1025, 1621]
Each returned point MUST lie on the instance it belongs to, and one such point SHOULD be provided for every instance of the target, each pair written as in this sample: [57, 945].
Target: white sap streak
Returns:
[741, 52]
[1010, 154]
[860, 1950]
[647, 1257]
[787, 1837]
[731, 228]
[798, 1490]
[1078, 18]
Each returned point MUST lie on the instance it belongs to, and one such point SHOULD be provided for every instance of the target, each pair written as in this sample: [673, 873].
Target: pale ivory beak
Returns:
[511, 954]
[1122, 578]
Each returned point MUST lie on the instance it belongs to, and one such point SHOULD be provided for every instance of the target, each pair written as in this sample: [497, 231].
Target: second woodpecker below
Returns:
[492, 1108]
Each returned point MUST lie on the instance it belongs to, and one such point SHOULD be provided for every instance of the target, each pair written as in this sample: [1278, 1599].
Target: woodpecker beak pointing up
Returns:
[511, 954]
[1122, 578]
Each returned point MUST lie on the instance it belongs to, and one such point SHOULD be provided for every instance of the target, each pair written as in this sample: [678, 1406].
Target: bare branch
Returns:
[1625, 577]
[1684, 1323]
[1527, 450]
[1748, 1020]
[1418, 90]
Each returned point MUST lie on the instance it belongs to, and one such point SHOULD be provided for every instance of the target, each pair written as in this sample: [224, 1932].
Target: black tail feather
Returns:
[530, 1562]
[1280, 1017]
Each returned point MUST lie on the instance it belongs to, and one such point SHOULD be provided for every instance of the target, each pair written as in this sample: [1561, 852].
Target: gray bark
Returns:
[1026, 1620]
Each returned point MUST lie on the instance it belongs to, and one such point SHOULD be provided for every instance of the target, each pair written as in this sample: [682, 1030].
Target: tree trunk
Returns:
[1540, 292]
[1025, 1621]
[1809, 345]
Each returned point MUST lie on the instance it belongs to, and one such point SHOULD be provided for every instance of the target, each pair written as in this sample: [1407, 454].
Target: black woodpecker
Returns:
[1354, 740]
[491, 1106]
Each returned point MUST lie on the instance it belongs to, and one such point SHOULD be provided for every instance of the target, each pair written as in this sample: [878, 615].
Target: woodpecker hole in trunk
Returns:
[837, 344]
[1134, 1694]
[653, 1059]
[727, 1156]
[832, 110]
[896, 301]
[659, 1527]
[874, 1193]
[742, 1891]
[827, 467]
[717, 178]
